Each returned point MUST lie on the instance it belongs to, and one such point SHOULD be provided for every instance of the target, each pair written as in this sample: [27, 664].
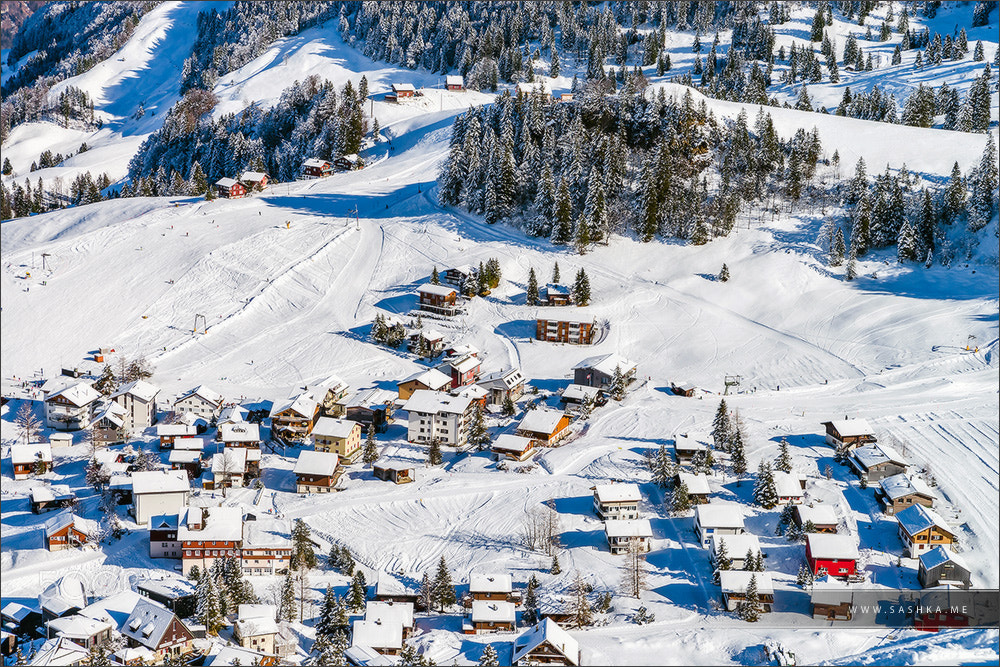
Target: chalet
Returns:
[169, 432]
[474, 393]
[697, 486]
[188, 460]
[368, 407]
[390, 589]
[178, 595]
[316, 168]
[546, 644]
[33, 459]
[490, 616]
[438, 299]
[711, 520]
[426, 343]
[385, 637]
[734, 585]
[230, 188]
[255, 181]
[556, 295]
[898, 492]
[317, 472]
[576, 329]
[457, 276]
[110, 425]
[790, 487]
[617, 501]
[454, 82]
[686, 448]
[189, 444]
[256, 627]
[563, 97]
[158, 492]
[201, 402]
[621, 532]
[502, 384]
[832, 599]
[513, 447]
[340, 437]
[921, 530]
[939, 567]
[390, 613]
[578, 394]
[66, 531]
[22, 620]
[139, 400]
[233, 414]
[823, 518]
[492, 586]
[229, 469]
[545, 427]
[295, 417]
[836, 555]
[437, 416]
[847, 434]
[71, 408]
[463, 369]
[158, 629]
[61, 651]
[685, 389]
[430, 379]
[599, 371]
[875, 462]
[81, 630]
[393, 471]
[401, 90]
[348, 162]
[737, 547]
[209, 534]
[163, 542]
[47, 498]
[239, 434]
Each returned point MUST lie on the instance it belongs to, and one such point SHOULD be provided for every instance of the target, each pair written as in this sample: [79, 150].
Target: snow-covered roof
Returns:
[606, 363]
[320, 388]
[579, 392]
[917, 518]
[386, 584]
[224, 524]
[736, 581]
[135, 655]
[252, 176]
[546, 631]
[330, 427]
[850, 428]
[231, 655]
[431, 378]
[628, 528]
[617, 493]
[826, 545]
[938, 556]
[492, 611]
[110, 411]
[719, 515]
[377, 633]
[79, 394]
[239, 432]
[430, 335]
[160, 481]
[255, 627]
[63, 594]
[366, 656]
[248, 611]
[61, 439]
[388, 612]
[454, 80]
[736, 545]
[316, 463]
[820, 515]
[226, 182]
[231, 460]
[189, 444]
[508, 378]
[175, 429]
[696, 483]
[141, 389]
[512, 443]
[562, 314]
[393, 465]
[438, 290]
[875, 454]
[831, 590]
[541, 421]
[60, 651]
[427, 402]
[205, 393]
[163, 522]
[233, 414]
[350, 157]
[556, 288]
[788, 484]
[20, 454]
[301, 404]
[901, 485]
[17, 611]
[171, 588]
[315, 162]
[183, 456]
[115, 608]
[404, 87]
[47, 494]
[490, 582]
[471, 391]
[147, 623]
[67, 518]
[76, 626]
[685, 443]
[370, 398]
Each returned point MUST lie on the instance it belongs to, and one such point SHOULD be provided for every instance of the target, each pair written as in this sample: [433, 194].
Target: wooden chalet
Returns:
[490, 586]
[369, 407]
[831, 599]
[898, 492]
[717, 519]
[389, 613]
[621, 532]
[599, 371]
[230, 188]
[578, 394]
[546, 643]
[737, 547]
[255, 181]
[512, 447]
[545, 427]
[295, 417]
[734, 585]
[239, 434]
[847, 434]
[316, 472]
[685, 389]
[349, 162]
[170, 432]
[385, 638]
[565, 328]
[427, 342]
[464, 369]
[316, 168]
[490, 616]
[72, 407]
[836, 555]
[403, 90]
[940, 566]
[697, 486]
[188, 460]
[431, 379]
[66, 531]
[502, 384]
[556, 295]
[393, 471]
[454, 82]
[458, 275]
[686, 448]
[390, 589]
[256, 627]
[438, 299]
[790, 487]
[266, 547]
[617, 501]
[48, 498]
[202, 402]
[158, 629]
[33, 459]
[921, 529]
[204, 539]
[821, 518]
[163, 542]
[875, 462]
[178, 595]
[110, 425]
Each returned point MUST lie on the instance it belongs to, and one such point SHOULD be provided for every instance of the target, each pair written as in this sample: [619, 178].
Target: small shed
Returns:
[939, 567]
[513, 447]
[393, 471]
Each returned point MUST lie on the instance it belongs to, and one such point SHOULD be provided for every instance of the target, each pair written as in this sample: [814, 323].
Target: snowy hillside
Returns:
[290, 280]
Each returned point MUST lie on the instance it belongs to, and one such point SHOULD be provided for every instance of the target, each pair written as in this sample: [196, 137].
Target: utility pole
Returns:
[44, 266]
[357, 220]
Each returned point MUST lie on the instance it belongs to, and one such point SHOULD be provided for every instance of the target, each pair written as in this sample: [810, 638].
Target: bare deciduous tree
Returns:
[634, 569]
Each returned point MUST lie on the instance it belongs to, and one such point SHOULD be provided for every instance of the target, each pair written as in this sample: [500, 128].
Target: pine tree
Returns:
[906, 244]
[286, 599]
[208, 608]
[562, 223]
[443, 589]
[784, 460]
[369, 454]
[532, 292]
[724, 274]
[426, 592]
[723, 562]
[327, 623]
[619, 384]
[357, 594]
[837, 248]
[303, 556]
[851, 272]
[749, 608]
[555, 274]
[556, 568]
[983, 195]
[663, 468]
[581, 289]
[764, 493]
[479, 435]
[737, 453]
[489, 656]
[679, 500]
[435, 278]
[530, 615]
[508, 409]
[721, 427]
[804, 577]
[954, 196]
[785, 519]
[434, 457]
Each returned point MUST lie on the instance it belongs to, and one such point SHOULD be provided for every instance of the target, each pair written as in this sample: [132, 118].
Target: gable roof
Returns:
[189, 444]
[331, 427]
[63, 594]
[547, 631]
[378, 633]
[728, 515]
[437, 290]
[148, 623]
[316, 463]
[226, 182]
[736, 581]
[388, 612]
[60, 651]
[431, 378]
[787, 484]
[252, 176]
[512, 443]
[427, 401]
[490, 582]
[696, 483]
[79, 394]
[850, 428]
[876, 454]
[224, 524]
[301, 404]
[820, 515]
[939, 556]
[403, 86]
[141, 389]
[77, 626]
[176, 429]
[239, 432]
[112, 411]
[315, 162]
[233, 414]
[617, 493]
[685, 443]
[454, 80]
[231, 461]
[541, 421]
[606, 364]
[266, 533]
[205, 393]
[917, 518]
[736, 545]
[628, 528]
[902, 485]
[31, 453]
[492, 611]
[579, 392]
[507, 378]
[826, 545]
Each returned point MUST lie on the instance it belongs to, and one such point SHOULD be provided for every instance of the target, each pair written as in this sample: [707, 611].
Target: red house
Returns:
[464, 370]
[836, 555]
[316, 168]
[230, 188]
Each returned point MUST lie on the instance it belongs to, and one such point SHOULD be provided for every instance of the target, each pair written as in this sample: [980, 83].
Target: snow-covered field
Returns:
[290, 280]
